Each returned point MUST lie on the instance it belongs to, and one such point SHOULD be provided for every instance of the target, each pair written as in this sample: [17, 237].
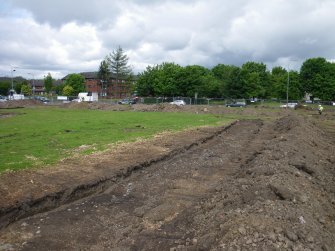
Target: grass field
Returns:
[34, 137]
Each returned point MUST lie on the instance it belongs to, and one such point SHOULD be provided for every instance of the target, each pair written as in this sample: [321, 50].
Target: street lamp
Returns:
[12, 90]
[33, 83]
[288, 80]
[287, 86]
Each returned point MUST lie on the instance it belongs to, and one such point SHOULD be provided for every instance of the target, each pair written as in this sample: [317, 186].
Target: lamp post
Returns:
[288, 78]
[287, 86]
[33, 82]
[12, 90]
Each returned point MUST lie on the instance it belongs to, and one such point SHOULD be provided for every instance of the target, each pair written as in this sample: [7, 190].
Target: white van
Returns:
[87, 96]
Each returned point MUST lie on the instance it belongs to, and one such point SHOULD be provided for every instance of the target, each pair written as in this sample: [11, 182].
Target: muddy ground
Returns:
[260, 184]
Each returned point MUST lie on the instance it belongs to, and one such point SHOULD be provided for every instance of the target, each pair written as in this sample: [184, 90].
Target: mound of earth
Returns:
[165, 107]
[254, 185]
[19, 103]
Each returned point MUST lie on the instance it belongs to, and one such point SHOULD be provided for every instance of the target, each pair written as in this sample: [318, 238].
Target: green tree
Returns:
[229, 76]
[159, 80]
[118, 63]
[17, 86]
[104, 74]
[48, 83]
[146, 81]
[318, 78]
[255, 80]
[295, 90]
[166, 84]
[210, 86]
[278, 82]
[68, 90]
[26, 90]
[193, 79]
[59, 89]
[76, 81]
[4, 87]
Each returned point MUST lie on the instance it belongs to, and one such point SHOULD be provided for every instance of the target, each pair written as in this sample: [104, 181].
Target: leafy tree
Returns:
[17, 86]
[4, 88]
[210, 86]
[48, 83]
[166, 84]
[159, 80]
[278, 82]
[255, 80]
[68, 90]
[192, 79]
[26, 90]
[170, 79]
[104, 73]
[59, 88]
[295, 90]
[230, 80]
[76, 81]
[145, 81]
[318, 78]
[118, 63]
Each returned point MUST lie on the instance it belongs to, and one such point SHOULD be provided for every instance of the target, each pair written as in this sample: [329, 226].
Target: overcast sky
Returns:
[67, 36]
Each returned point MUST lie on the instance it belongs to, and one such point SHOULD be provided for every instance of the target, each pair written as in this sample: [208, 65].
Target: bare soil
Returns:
[260, 184]
[12, 104]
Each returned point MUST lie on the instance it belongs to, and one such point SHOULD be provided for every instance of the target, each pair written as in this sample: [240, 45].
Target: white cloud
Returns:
[72, 36]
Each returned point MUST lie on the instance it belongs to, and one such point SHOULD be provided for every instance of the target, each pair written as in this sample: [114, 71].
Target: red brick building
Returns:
[112, 89]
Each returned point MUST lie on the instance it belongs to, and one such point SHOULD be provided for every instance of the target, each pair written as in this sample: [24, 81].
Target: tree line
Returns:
[21, 85]
[252, 80]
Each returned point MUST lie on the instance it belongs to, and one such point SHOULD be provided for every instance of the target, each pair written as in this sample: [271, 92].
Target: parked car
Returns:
[42, 99]
[178, 102]
[236, 104]
[127, 101]
[289, 105]
[3, 98]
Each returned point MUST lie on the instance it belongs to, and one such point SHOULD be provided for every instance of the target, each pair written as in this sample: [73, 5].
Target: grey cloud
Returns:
[75, 35]
[57, 13]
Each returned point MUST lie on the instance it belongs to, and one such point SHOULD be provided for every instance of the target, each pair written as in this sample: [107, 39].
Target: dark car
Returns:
[3, 98]
[236, 104]
[127, 101]
[42, 99]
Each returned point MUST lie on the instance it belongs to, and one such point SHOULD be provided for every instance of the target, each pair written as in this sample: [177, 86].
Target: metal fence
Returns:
[188, 101]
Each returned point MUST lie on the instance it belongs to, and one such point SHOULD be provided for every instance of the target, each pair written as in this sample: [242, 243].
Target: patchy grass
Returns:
[34, 137]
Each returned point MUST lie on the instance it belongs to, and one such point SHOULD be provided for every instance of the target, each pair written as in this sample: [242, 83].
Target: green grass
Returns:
[34, 137]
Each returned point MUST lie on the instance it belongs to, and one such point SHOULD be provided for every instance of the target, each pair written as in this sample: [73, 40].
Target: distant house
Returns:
[37, 86]
[112, 89]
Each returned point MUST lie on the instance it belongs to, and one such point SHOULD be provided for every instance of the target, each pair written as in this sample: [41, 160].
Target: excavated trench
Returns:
[25, 208]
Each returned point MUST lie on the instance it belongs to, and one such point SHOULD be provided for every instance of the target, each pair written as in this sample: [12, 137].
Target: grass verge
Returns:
[35, 137]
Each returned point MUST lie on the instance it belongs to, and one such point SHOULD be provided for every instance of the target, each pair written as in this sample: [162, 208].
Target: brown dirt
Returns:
[253, 185]
[12, 104]
[217, 109]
